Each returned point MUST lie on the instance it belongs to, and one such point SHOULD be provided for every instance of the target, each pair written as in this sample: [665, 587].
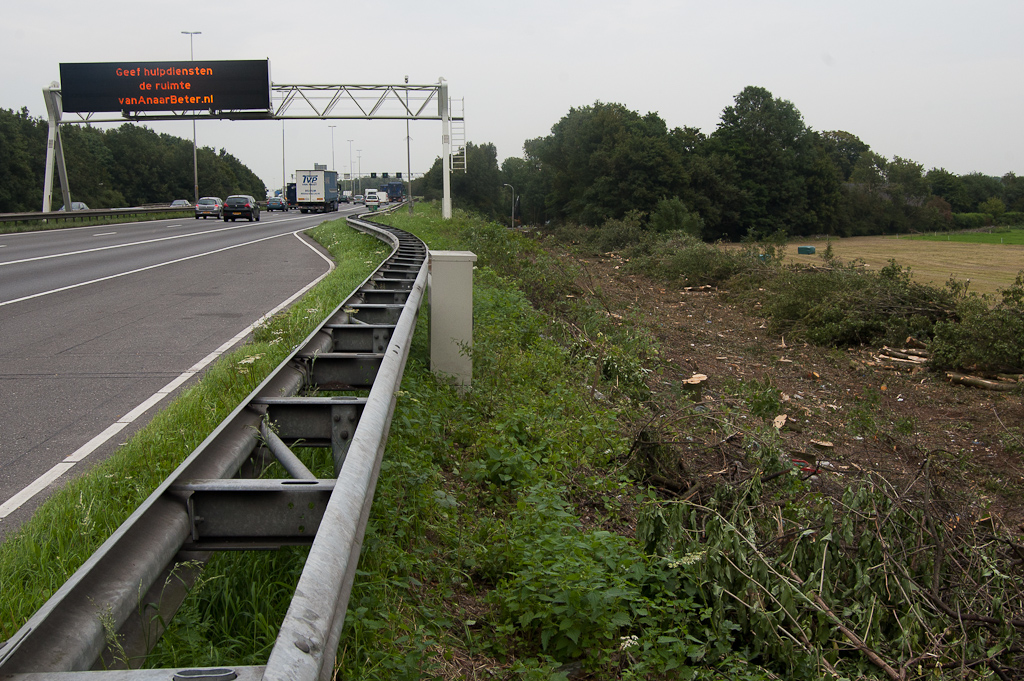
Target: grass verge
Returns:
[75, 520]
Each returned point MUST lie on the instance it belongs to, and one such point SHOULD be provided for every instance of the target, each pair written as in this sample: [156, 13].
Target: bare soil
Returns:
[844, 416]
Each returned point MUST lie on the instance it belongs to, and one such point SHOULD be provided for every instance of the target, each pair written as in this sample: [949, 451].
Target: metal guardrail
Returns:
[213, 501]
[34, 216]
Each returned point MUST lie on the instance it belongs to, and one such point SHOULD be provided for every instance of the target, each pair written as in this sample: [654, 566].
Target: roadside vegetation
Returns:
[581, 514]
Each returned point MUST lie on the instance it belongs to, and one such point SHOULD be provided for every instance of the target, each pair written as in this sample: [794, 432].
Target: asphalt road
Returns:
[96, 320]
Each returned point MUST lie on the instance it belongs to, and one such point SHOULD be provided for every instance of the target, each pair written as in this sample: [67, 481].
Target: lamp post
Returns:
[195, 161]
[359, 158]
[351, 178]
[332, 127]
[513, 204]
[408, 146]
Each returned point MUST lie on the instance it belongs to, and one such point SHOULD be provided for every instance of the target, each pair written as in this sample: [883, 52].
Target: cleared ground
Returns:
[990, 267]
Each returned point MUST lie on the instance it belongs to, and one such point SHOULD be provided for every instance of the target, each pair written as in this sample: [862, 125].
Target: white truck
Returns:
[316, 190]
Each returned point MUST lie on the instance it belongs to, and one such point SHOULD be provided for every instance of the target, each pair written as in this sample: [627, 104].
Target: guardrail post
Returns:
[451, 314]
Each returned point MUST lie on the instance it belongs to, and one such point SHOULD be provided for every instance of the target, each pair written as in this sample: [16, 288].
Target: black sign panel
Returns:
[165, 86]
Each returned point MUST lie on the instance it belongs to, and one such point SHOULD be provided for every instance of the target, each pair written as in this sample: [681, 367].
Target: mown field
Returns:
[989, 265]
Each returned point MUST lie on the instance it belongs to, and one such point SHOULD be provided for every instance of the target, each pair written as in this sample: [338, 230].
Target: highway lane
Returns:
[94, 321]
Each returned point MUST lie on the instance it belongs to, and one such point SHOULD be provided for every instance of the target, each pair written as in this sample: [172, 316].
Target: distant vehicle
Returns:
[371, 201]
[316, 190]
[180, 203]
[290, 191]
[394, 190]
[346, 197]
[358, 198]
[209, 206]
[241, 206]
[77, 205]
[277, 203]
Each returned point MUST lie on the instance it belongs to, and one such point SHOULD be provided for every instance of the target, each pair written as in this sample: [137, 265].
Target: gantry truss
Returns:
[289, 102]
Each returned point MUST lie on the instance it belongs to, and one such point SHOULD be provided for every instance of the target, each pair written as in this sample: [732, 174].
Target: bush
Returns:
[1012, 218]
[671, 215]
[681, 257]
[984, 338]
[971, 220]
[845, 306]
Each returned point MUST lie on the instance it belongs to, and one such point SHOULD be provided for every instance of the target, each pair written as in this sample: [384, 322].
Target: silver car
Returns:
[210, 206]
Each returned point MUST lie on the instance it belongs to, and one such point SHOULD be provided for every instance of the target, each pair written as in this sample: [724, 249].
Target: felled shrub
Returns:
[681, 257]
[982, 337]
[845, 306]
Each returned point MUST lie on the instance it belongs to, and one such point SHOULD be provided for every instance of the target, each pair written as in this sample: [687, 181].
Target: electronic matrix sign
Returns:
[165, 86]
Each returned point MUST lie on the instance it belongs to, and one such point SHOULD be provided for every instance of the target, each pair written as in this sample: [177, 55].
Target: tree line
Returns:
[761, 172]
[130, 165]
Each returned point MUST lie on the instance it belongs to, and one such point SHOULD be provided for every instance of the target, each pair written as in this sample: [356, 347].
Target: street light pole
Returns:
[513, 204]
[408, 146]
[332, 127]
[195, 156]
[351, 178]
[359, 157]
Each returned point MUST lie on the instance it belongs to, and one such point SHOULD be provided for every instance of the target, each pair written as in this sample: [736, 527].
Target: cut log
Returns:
[916, 361]
[975, 382]
[910, 356]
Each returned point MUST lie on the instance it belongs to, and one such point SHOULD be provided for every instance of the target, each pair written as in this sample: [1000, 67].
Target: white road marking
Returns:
[106, 234]
[135, 271]
[55, 473]
[133, 243]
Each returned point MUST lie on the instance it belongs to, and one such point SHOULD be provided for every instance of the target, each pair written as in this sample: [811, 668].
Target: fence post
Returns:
[451, 314]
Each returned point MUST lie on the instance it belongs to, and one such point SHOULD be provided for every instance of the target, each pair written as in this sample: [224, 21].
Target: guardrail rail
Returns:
[214, 501]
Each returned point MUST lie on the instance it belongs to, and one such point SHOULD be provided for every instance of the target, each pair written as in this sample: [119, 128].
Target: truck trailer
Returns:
[316, 191]
[394, 191]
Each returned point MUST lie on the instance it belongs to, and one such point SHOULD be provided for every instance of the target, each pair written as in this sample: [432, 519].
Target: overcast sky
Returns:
[936, 81]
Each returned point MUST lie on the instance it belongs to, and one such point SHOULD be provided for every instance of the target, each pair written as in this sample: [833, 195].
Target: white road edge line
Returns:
[55, 473]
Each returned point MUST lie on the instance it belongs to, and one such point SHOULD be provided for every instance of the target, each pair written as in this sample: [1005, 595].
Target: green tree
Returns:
[478, 189]
[22, 156]
[950, 187]
[773, 151]
[994, 207]
[526, 175]
[844, 149]
[671, 215]
[1013, 192]
[980, 187]
[604, 161]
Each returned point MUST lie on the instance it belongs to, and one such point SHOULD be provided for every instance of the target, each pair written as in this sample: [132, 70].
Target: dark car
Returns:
[277, 203]
[209, 206]
[241, 206]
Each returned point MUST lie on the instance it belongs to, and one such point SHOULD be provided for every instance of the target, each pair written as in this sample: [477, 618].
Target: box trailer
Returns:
[316, 191]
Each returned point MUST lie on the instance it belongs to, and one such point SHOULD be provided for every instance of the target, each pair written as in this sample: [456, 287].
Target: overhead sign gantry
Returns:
[231, 90]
